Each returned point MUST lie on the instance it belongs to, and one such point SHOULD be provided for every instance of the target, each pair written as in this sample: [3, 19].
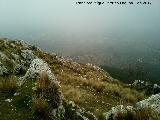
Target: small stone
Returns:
[8, 100]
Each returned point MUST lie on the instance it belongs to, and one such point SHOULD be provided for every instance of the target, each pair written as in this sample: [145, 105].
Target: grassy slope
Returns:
[84, 85]
[97, 96]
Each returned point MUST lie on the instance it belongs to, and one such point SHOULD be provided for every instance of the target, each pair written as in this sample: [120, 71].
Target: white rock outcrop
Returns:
[110, 115]
[38, 66]
[153, 102]
[28, 56]
[23, 43]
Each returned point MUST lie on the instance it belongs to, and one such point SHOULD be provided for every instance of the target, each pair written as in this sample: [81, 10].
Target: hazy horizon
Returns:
[69, 29]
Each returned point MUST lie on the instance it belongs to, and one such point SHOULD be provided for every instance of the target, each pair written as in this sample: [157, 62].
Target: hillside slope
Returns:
[88, 87]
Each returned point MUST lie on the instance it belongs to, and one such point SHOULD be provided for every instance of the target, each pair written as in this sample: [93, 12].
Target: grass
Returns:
[41, 108]
[84, 85]
[20, 106]
[49, 89]
[8, 84]
[97, 96]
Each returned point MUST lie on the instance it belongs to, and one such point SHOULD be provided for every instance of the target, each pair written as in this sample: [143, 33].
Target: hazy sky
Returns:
[64, 20]
[114, 34]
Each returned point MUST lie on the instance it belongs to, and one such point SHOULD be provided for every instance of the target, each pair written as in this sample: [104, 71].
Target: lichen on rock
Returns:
[38, 66]
[28, 56]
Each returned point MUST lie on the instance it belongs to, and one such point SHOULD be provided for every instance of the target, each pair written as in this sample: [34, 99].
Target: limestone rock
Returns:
[3, 70]
[110, 115]
[153, 102]
[144, 85]
[15, 56]
[23, 44]
[12, 45]
[28, 56]
[38, 66]
[74, 112]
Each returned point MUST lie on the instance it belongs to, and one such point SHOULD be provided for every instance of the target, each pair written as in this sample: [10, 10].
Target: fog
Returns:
[113, 34]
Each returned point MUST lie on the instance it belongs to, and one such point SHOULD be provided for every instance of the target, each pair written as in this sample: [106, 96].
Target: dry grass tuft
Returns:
[41, 108]
[8, 84]
[49, 89]
[140, 114]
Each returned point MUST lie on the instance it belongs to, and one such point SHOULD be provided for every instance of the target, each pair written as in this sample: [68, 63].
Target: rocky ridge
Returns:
[31, 67]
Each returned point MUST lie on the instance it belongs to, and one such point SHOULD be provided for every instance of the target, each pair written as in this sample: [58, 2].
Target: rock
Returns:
[112, 114]
[47, 86]
[16, 94]
[153, 102]
[144, 85]
[156, 89]
[8, 100]
[23, 44]
[38, 66]
[28, 56]
[59, 112]
[3, 70]
[19, 69]
[3, 56]
[12, 45]
[6, 43]
[74, 112]
[15, 56]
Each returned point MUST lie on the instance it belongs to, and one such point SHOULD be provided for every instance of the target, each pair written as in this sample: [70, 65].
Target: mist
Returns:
[112, 34]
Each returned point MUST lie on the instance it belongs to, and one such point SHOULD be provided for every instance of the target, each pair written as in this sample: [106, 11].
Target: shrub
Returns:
[41, 108]
[49, 89]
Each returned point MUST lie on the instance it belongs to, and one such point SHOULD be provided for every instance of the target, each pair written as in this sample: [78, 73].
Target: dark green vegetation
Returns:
[128, 75]
[15, 107]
